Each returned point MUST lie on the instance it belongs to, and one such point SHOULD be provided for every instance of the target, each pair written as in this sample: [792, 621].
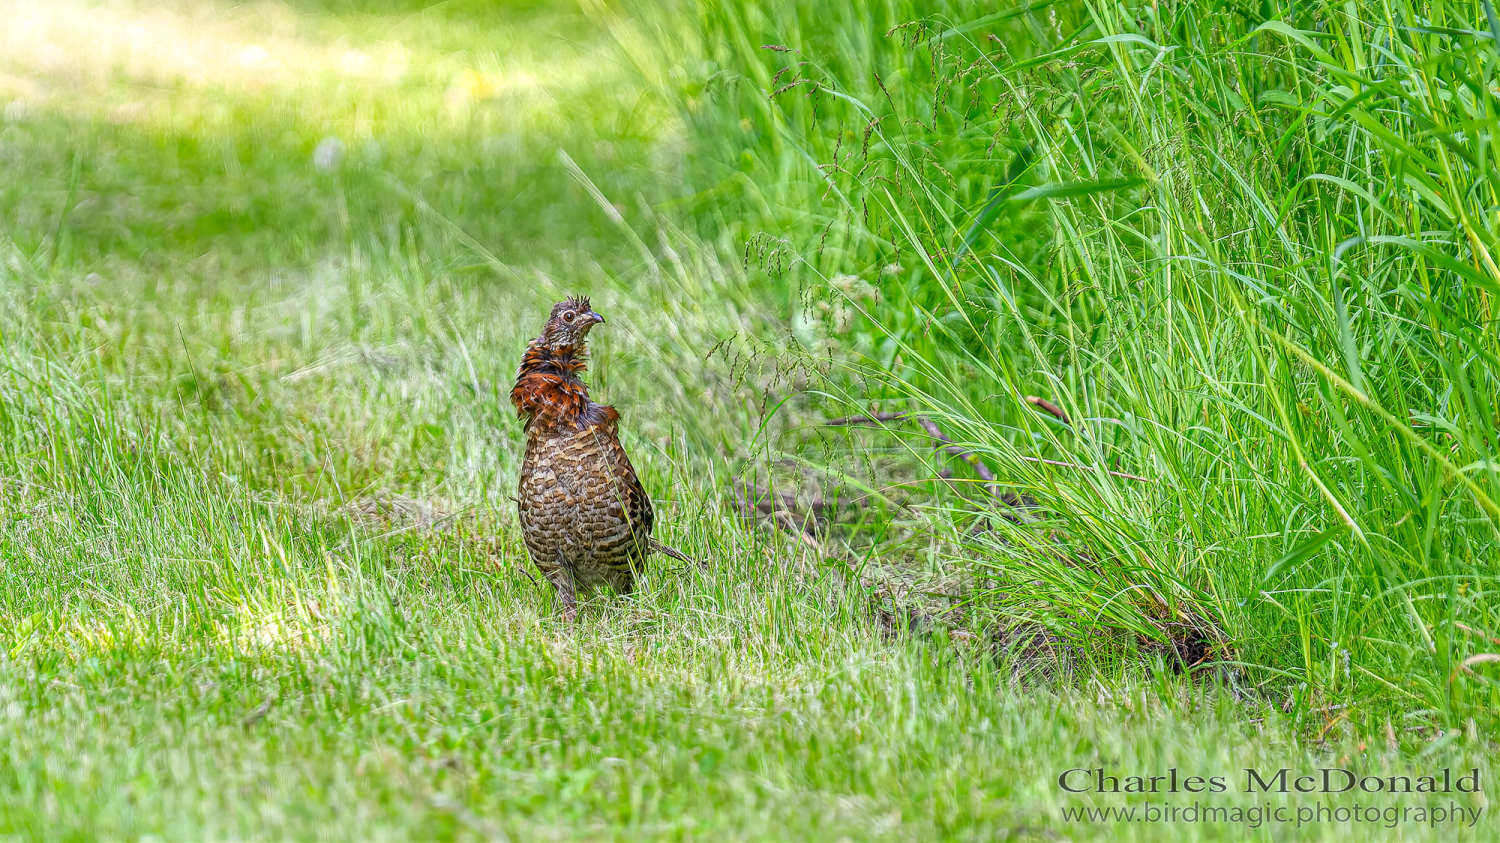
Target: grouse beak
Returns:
[594, 316]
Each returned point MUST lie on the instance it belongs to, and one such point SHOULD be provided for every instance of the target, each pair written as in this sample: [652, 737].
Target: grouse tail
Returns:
[661, 547]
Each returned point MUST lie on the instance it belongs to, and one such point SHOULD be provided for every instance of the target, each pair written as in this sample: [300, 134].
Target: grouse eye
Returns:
[568, 317]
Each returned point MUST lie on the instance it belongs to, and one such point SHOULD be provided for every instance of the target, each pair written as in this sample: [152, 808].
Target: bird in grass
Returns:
[585, 516]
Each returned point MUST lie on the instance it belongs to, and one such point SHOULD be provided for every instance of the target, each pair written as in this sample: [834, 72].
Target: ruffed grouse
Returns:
[586, 519]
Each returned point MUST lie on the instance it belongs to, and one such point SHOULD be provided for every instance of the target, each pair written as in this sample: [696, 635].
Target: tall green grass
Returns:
[1248, 248]
[259, 571]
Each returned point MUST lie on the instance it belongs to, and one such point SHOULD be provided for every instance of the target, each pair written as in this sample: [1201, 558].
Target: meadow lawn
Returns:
[266, 270]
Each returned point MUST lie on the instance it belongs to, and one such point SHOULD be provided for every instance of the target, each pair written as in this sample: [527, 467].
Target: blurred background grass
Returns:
[186, 129]
[266, 270]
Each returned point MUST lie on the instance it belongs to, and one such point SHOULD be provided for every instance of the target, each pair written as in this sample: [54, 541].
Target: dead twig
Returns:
[771, 507]
[937, 435]
[1049, 408]
[1472, 631]
[785, 521]
[956, 452]
[1057, 412]
[877, 418]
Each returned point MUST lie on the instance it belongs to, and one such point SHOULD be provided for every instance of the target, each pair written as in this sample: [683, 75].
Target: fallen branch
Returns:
[785, 522]
[1057, 412]
[770, 507]
[753, 500]
[953, 450]
[936, 434]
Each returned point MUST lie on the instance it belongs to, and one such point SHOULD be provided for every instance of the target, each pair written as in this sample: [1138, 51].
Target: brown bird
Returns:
[585, 516]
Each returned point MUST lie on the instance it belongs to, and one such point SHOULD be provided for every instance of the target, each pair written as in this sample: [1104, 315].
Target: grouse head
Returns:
[569, 324]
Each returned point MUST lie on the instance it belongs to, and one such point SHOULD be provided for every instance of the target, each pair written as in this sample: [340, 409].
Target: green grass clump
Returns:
[1249, 250]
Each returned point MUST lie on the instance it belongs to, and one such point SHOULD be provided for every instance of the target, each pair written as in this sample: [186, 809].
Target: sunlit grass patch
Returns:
[182, 65]
[143, 129]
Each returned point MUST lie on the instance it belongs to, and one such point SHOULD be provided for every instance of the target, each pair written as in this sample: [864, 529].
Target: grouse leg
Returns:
[567, 591]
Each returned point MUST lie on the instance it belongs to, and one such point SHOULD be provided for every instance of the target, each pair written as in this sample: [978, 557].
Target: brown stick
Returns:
[1049, 408]
[787, 524]
[877, 418]
[937, 435]
[753, 499]
[1036, 401]
[953, 450]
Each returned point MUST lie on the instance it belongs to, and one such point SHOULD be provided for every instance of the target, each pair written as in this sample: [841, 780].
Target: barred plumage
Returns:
[584, 514]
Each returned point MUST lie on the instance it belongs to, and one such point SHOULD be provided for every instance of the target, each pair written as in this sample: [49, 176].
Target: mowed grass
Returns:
[259, 572]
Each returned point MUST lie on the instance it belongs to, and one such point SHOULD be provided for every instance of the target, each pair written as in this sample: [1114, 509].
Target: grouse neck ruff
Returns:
[548, 390]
